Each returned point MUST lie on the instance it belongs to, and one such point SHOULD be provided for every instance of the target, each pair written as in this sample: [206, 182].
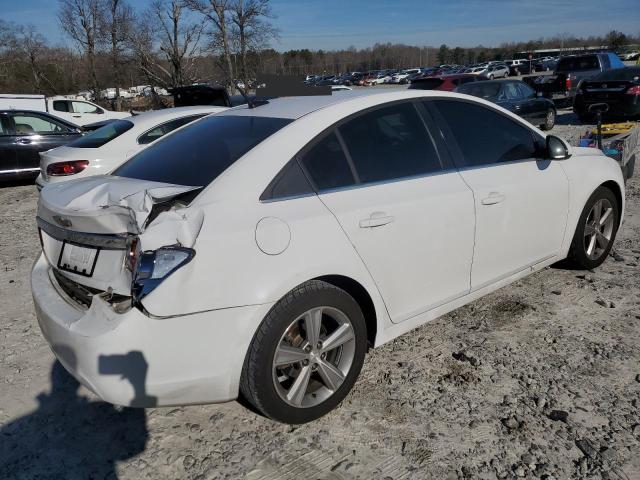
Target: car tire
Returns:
[588, 248]
[550, 120]
[491, 76]
[275, 388]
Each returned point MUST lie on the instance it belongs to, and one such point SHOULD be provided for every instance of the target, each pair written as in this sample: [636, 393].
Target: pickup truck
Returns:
[569, 72]
[78, 112]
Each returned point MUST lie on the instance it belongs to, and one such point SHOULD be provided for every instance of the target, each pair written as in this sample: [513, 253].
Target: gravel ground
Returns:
[539, 380]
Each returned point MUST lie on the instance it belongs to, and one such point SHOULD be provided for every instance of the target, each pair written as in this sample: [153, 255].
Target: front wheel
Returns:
[596, 231]
[549, 121]
[491, 76]
[306, 354]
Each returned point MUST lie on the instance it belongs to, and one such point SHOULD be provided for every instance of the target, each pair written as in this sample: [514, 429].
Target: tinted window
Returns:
[426, 83]
[388, 143]
[28, 124]
[485, 136]
[61, 105]
[102, 135]
[165, 128]
[327, 164]
[628, 74]
[481, 89]
[197, 155]
[290, 182]
[575, 64]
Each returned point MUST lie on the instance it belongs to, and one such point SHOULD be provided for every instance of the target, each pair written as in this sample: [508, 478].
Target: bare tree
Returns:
[179, 41]
[216, 12]
[80, 19]
[251, 30]
[115, 26]
[32, 47]
[164, 26]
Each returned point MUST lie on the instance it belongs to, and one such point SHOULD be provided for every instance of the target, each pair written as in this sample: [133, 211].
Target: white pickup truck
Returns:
[79, 112]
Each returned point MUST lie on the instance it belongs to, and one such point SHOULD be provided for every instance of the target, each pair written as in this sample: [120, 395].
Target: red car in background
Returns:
[445, 82]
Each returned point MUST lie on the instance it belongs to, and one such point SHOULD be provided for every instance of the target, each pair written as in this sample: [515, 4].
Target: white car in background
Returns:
[108, 147]
[263, 250]
[400, 76]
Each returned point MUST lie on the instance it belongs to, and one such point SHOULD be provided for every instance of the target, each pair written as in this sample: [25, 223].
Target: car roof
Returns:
[153, 117]
[296, 107]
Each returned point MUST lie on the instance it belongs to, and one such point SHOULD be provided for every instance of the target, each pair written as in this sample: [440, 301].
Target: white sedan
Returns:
[262, 251]
[109, 146]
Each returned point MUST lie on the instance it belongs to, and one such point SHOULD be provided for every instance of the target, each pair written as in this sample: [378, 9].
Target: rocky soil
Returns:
[538, 380]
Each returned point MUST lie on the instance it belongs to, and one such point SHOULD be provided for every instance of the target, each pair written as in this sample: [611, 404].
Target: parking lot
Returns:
[539, 380]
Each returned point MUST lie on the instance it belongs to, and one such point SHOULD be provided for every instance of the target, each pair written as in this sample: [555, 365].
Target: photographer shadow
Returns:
[68, 436]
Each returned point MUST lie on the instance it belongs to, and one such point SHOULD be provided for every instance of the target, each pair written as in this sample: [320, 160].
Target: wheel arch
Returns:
[362, 298]
[617, 191]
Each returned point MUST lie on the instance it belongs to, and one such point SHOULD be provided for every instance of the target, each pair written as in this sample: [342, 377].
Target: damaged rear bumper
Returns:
[135, 360]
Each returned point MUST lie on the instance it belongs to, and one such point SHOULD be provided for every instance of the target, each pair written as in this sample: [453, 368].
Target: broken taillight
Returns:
[633, 90]
[67, 168]
[133, 253]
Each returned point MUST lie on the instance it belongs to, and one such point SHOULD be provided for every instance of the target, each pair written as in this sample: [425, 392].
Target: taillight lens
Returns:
[567, 83]
[67, 168]
[633, 90]
[154, 266]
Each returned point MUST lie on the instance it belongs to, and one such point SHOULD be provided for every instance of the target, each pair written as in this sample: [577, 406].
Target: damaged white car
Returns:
[262, 250]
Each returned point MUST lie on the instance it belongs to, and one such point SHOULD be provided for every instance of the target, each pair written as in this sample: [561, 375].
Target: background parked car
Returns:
[106, 148]
[23, 135]
[618, 88]
[496, 70]
[445, 82]
[569, 71]
[517, 97]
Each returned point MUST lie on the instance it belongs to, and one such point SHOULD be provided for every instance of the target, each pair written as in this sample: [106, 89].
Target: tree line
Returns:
[180, 42]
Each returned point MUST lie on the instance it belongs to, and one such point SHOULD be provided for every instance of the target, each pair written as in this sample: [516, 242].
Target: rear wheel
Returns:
[306, 354]
[596, 231]
[549, 121]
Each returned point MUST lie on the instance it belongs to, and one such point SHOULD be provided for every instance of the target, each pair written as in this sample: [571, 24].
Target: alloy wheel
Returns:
[314, 357]
[598, 229]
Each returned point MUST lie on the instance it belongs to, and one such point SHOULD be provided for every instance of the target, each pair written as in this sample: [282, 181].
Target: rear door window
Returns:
[61, 105]
[327, 164]
[485, 136]
[389, 143]
[102, 135]
[196, 155]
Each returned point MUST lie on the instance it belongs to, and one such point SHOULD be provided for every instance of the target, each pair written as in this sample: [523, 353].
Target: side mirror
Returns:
[557, 149]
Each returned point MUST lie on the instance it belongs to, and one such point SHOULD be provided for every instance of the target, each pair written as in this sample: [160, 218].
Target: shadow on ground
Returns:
[70, 437]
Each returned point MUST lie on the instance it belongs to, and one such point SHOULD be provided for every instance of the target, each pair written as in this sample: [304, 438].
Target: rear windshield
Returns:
[196, 155]
[426, 83]
[576, 64]
[629, 74]
[102, 135]
[480, 89]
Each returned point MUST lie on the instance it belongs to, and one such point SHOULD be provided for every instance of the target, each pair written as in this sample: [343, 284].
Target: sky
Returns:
[336, 24]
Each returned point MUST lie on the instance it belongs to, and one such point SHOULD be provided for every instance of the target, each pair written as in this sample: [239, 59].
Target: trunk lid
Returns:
[87, 226]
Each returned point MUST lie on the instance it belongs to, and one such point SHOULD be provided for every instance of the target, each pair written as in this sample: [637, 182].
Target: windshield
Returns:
[196, 155]
[481, 89]
[102, 135]
[629, 74]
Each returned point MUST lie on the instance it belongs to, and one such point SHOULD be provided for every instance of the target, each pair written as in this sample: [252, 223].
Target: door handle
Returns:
[23, 141]
[77, 116]
[376, 219]
[493, 198]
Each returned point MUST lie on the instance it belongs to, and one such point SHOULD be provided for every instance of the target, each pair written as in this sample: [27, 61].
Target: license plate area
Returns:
[78, 259]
